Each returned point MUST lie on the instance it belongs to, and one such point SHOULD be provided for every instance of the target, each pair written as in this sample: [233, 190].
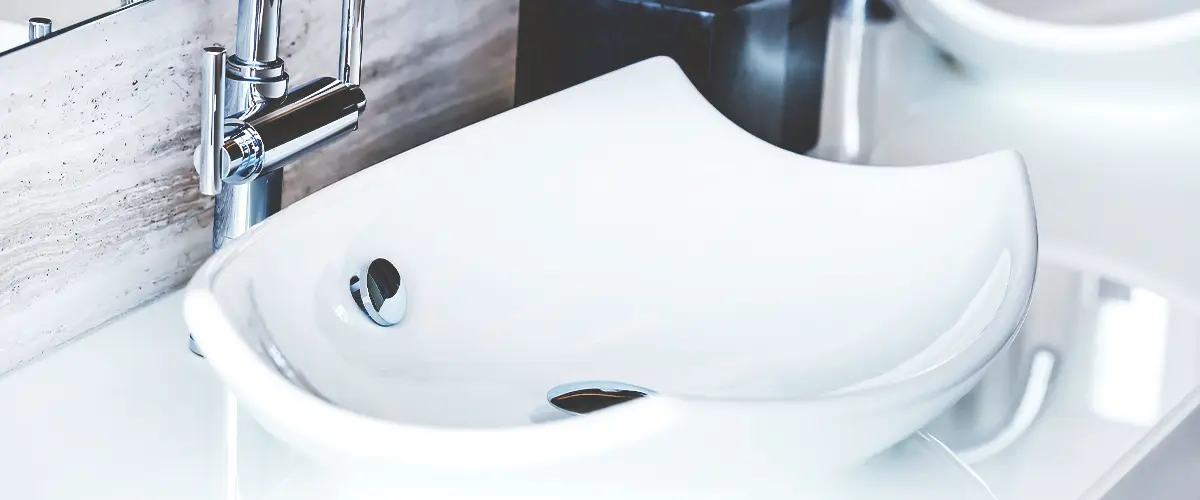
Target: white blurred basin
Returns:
[795, 316]
[1082, 49]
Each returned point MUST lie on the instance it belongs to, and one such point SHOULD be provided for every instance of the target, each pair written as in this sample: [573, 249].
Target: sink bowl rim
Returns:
[307, 419]
[311, 418]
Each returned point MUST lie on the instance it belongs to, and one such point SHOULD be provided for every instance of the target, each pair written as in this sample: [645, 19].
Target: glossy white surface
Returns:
[1119, 281]
[919, 468]
[1104, 46]
[622, 230]
[12, 34]
[1127, 359]
[129, 413]
[125, 413]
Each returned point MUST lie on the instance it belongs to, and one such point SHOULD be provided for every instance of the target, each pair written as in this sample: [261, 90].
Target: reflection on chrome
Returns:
[1095, 352]
[1028, 409]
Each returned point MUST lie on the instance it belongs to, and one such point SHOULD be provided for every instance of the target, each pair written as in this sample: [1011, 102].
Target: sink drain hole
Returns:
[585, 397]
[379, 291]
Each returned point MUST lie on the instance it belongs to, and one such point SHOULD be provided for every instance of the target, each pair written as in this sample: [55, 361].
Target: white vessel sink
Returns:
[1094, 50]
[793, 316]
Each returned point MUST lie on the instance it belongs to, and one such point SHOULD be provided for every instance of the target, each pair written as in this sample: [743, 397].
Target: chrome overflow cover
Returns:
[379, 292]
[578, 398]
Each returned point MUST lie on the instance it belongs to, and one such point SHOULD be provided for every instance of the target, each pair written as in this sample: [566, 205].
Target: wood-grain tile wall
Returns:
[99, 210]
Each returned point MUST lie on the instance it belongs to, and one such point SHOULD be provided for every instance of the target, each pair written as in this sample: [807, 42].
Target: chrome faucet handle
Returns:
[210, 164]
[39, 27]
[350, 55]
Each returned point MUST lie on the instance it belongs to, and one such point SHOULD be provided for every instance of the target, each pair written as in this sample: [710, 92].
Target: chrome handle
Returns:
[350, 55]
[39, 27]
[210, 165]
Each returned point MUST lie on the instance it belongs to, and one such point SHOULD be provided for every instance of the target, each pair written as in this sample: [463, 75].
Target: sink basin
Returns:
[1093, 50]
[792, 316]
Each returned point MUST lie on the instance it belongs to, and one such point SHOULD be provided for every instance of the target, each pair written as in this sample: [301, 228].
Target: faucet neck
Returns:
[252, 124]
[258, 31]
[256, 74]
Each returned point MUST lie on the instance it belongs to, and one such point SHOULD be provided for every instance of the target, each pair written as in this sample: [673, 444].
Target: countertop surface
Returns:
[127, 412]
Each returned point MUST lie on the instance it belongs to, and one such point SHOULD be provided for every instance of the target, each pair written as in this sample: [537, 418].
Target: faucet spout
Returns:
[350, 55]
[258, 31]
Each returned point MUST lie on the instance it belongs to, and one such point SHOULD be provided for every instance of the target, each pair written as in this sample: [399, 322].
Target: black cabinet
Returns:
[760, 62]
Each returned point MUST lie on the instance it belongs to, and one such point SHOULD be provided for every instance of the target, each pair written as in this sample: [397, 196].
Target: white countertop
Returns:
[124, 413]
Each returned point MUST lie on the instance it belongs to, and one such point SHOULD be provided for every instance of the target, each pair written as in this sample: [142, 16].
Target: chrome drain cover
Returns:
[379, 292]
[578, 398]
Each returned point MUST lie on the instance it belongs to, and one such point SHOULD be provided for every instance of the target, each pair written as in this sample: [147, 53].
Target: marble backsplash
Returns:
[99, 209]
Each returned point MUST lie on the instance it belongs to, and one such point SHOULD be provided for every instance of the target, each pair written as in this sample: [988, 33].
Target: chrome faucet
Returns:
[252, 124]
